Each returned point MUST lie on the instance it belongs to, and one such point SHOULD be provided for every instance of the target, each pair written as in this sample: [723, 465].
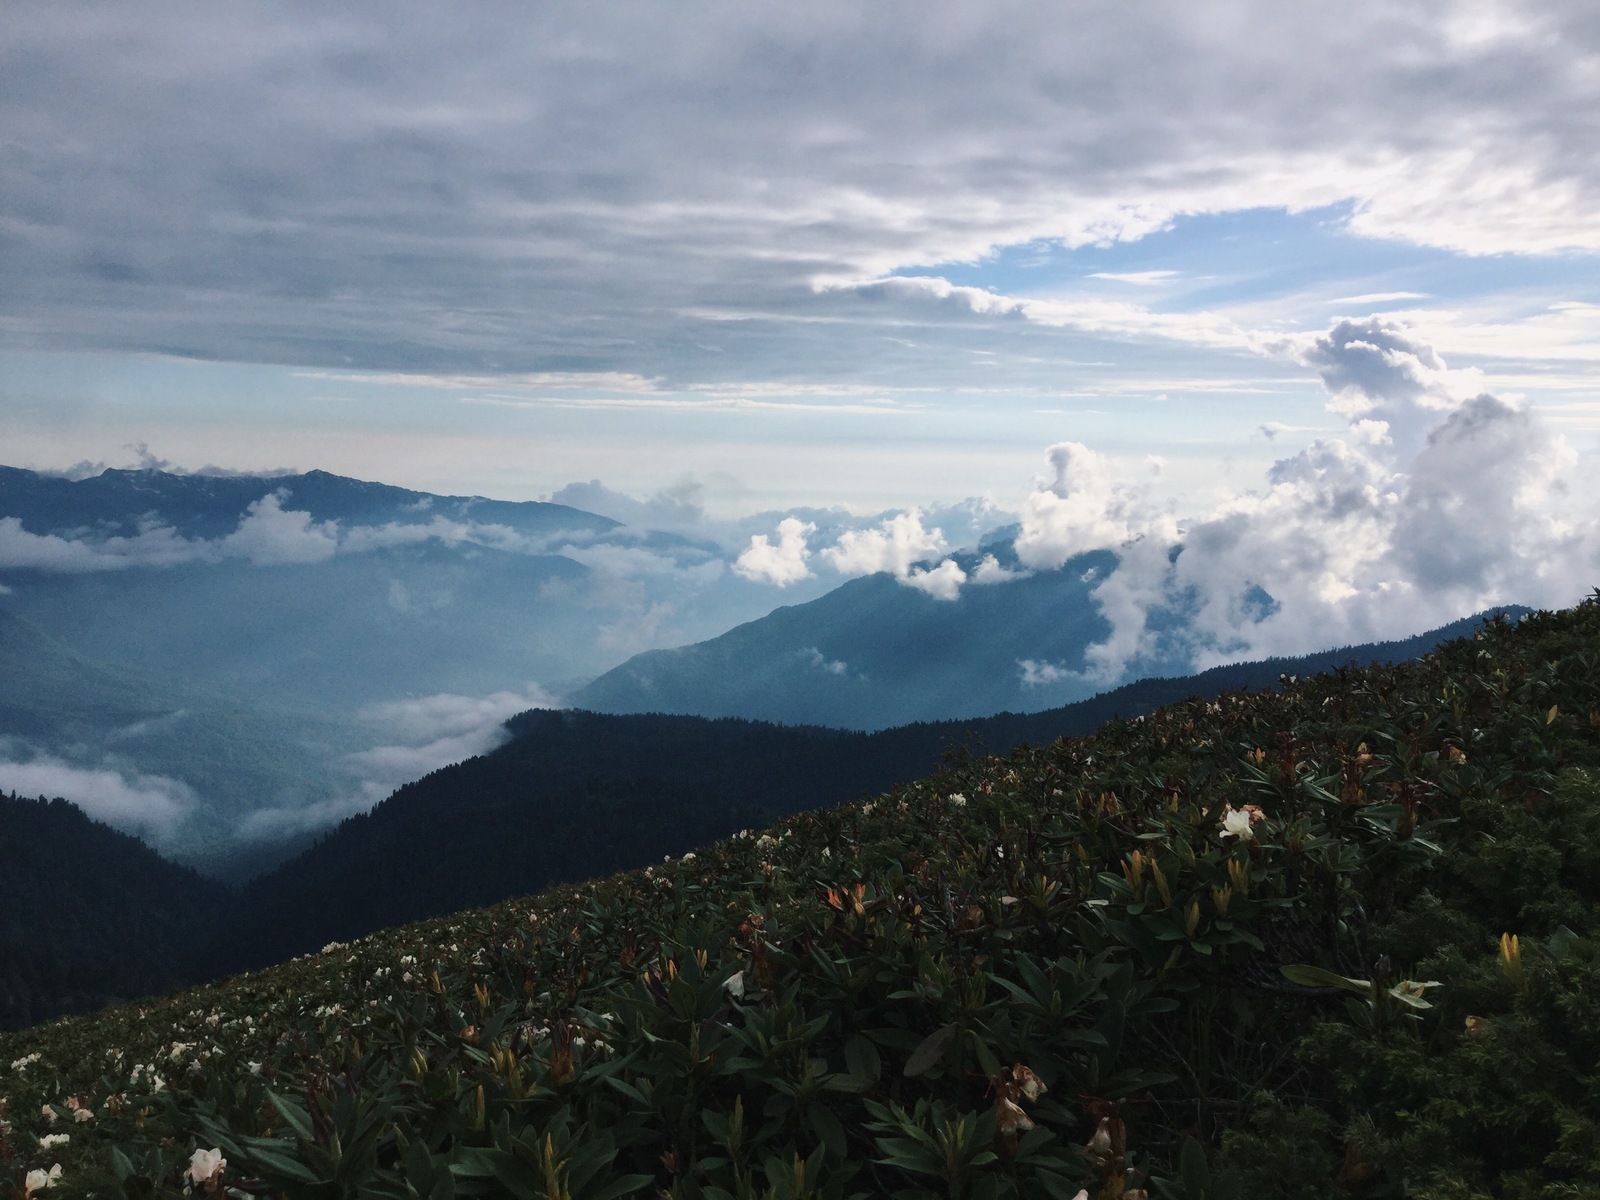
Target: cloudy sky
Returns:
[820, 254]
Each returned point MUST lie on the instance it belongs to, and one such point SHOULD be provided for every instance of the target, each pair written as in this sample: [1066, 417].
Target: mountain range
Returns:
[226, 663]
[230, 665]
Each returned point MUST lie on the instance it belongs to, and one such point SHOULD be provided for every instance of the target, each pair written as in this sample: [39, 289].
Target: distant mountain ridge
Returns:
[873, 653]
[288, 648]
[209, 506]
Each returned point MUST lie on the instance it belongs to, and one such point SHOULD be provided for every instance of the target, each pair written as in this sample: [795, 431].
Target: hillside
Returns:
[103, 919]
[575, 795]
[874, 653]
[1324, 943]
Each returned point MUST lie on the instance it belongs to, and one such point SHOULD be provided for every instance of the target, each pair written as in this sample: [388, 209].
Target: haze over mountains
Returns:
[210, 659]
[227, 665]
[873, 653]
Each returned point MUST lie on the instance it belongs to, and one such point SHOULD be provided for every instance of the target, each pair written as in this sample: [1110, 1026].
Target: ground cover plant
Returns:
[1335, 940]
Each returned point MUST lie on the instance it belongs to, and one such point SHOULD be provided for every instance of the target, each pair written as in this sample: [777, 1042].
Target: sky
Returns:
[1278, 273]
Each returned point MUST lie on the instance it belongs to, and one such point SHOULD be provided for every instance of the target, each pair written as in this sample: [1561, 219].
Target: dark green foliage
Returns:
[1063, 969]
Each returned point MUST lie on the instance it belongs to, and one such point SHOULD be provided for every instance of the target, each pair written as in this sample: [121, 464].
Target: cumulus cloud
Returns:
[269, 535]
[780, 564]
[898, 543]
[148, 806]
[900, 546]
[1389, 384]
[942, 582]
[1460, 503]
[1082, 506]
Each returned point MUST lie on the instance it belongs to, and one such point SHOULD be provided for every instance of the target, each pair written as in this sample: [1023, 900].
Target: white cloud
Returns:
[942, 582]
[269, 535]
[899, 546]
[780, 564]
[153, 546]
[1379, 372]
[1084, 506]
[1379, 298]
[1036, 673]
[899, 542]
[1460, 504]
[149, 806]
[1108, 318]
[593, 187]
[1139, 278]
[989, 570]
[418, 735]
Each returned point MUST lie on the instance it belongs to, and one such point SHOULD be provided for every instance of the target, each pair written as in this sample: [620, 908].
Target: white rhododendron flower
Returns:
[206, 1165]
[38, 1180]
[1236, 823]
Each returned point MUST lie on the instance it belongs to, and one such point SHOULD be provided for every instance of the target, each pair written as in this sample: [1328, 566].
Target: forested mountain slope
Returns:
[90, 916]
[1329, 942]
[575, 795]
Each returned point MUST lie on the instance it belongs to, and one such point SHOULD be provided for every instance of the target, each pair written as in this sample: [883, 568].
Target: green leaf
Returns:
[828, 1130]
[1309, 976]
[862, 1059]
[296, 1117]
[933, 1048]
[120, 1166]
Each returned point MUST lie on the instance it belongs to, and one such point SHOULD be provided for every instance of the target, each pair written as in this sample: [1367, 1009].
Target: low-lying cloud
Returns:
[780, 563]
[900, 546]
[412, 738]
[147, 806]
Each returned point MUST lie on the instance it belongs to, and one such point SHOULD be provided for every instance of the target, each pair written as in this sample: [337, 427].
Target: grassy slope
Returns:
[903, 961]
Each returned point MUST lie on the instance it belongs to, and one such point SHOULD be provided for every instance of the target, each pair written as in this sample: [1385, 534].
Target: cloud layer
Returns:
[148, 806]
[518, 189]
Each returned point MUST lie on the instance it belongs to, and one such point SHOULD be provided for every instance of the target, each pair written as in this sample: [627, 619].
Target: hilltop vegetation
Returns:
[1023, 976]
